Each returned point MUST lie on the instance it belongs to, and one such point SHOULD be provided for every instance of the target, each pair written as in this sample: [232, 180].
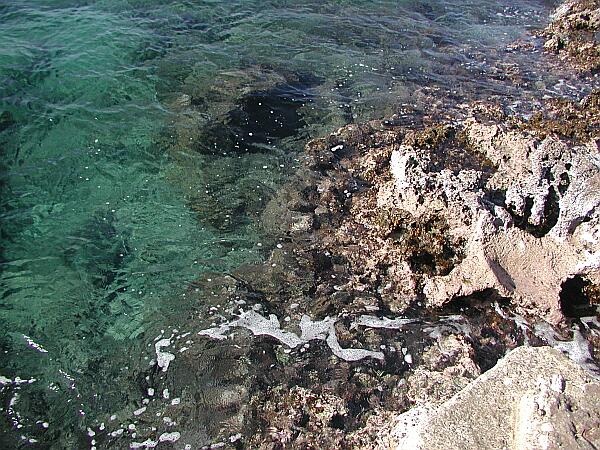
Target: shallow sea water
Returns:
[141, 139]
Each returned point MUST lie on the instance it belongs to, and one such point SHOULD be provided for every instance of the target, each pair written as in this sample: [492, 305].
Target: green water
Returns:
[110, 203]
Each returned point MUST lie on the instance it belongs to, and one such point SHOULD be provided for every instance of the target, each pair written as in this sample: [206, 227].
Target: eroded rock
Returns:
[572, 33]
[527, 247]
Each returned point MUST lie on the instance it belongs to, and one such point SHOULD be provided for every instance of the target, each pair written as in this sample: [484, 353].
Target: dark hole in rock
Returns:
[6, 120]
[303, 420]
[260, 119]
[337, 421]
[575, 300]
[322, 262]
[497, 197]
[564, 183]
[550, 217]
[424, 261]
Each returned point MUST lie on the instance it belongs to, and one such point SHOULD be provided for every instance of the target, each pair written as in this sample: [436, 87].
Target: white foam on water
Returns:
[4, 381]
[169, 437]
[148, 443]
[34, 345]
[323, 330]
[383, 322]
[577, 349]
[163, 359]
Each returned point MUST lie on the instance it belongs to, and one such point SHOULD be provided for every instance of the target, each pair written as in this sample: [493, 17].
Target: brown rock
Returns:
[534, 398]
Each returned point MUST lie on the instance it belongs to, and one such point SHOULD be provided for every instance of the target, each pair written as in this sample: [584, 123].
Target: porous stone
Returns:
[529, 262]
[446, 367]
[572, 34]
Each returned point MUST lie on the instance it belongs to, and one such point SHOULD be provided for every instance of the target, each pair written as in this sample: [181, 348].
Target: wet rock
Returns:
[302, 418]
[573, 34]
[446, 368]
[567, 118]
[533, 398]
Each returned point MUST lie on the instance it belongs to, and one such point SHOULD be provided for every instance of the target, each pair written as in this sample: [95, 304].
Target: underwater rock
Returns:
[231, 137]
[239, 111]
[6, 120]
[533, 398]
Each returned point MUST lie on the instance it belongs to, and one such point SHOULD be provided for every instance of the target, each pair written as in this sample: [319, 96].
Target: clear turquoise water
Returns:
[108, 213]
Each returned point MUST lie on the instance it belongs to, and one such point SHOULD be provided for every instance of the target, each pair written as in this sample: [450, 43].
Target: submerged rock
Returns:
[6, 120]
[534, 398]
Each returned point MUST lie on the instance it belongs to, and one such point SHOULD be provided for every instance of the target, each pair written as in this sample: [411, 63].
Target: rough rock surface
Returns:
[449, 211]
[526, 247]
[572, 33]
[446, 367]
[534, 398]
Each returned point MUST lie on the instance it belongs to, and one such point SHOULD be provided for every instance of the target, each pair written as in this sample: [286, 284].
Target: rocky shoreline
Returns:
[418, 270]
[488, 209]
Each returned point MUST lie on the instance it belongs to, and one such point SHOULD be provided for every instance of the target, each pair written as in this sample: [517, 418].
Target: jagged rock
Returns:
[517, 265]
[527, 265]
[572, 33]
[534, 398]
[450, 211]
[446, 368]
